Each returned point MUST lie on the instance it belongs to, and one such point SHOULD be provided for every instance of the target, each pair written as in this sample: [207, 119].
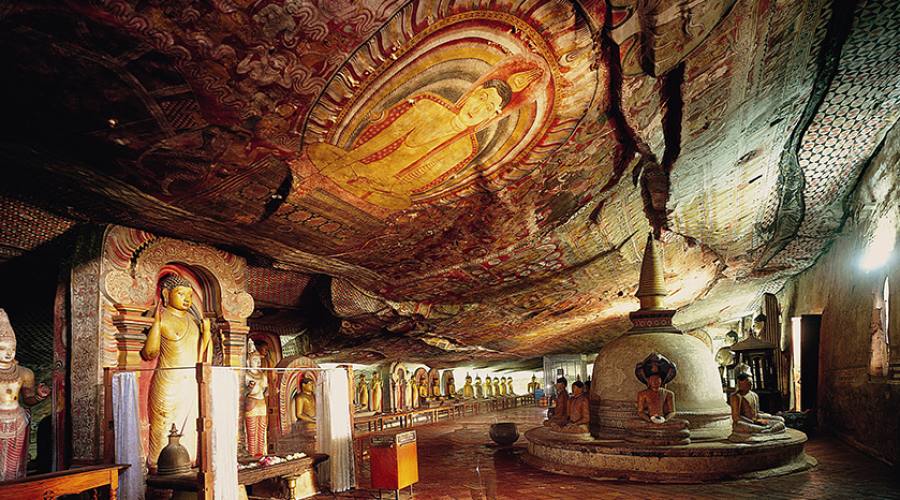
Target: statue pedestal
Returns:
[616, 459]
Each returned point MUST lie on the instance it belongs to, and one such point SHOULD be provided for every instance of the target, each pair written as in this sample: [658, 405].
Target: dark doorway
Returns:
[809, 360]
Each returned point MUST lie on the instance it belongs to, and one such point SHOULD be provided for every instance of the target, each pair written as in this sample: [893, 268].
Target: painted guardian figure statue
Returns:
[15, 381]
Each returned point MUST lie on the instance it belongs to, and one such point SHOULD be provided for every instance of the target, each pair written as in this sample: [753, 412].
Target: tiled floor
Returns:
[457, 460]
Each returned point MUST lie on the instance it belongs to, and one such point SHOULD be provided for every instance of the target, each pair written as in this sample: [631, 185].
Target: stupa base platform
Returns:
[618, 460]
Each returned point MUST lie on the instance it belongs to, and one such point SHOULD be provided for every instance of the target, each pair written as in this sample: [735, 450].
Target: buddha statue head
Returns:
[744, 376]
[468, 379]
[307, 385]
[7, 340]
[577, 388]
[177, 292]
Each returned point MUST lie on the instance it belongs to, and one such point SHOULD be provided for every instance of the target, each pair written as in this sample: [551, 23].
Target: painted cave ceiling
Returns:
[459, 180]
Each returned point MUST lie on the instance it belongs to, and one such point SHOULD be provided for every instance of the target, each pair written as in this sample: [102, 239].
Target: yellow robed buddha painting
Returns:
[420, 141]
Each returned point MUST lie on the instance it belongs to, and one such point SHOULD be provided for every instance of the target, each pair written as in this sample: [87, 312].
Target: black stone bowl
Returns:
[504, 433]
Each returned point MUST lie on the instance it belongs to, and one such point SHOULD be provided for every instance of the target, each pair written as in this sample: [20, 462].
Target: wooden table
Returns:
[67, 482]
[291, 470]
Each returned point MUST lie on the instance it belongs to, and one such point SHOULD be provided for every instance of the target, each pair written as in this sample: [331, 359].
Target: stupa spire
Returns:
[653, 316]
[652, 285]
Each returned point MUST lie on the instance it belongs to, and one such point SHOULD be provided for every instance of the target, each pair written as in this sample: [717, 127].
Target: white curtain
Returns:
[334, 435]
[225, 390]
[127, 430]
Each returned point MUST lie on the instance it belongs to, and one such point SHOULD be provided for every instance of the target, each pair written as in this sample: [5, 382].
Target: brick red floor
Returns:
[457, 460]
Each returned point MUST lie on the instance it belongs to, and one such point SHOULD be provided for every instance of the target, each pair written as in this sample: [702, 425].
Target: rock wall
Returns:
[857, 406]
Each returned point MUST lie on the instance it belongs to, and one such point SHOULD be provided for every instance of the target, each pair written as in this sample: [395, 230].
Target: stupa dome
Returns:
[697, 387]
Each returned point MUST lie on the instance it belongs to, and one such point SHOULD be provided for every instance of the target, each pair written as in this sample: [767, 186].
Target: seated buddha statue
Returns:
[305, 405]
[436, 388]
[748, 423]
[533, 385]
[559, 414]
[497, 390]
[509, 387]
[479, 388]
[468, 391]
[488, 388]
[578, 413]
[656, 422]
[451, 388]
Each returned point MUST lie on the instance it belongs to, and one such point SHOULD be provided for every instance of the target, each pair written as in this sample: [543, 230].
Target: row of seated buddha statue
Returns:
[425, 389]
[656, 421]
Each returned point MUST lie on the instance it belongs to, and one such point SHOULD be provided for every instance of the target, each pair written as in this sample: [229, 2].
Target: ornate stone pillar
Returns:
[234, 341]
[131, 332]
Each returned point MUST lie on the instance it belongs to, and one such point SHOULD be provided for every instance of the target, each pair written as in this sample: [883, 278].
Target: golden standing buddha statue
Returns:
[15, 380]
[179, 340]
[362, 393]
[376, 393]
[255, 408]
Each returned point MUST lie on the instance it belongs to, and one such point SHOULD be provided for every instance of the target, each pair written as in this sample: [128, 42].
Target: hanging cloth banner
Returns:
[126, 427]
[224, 414]
[334, 435]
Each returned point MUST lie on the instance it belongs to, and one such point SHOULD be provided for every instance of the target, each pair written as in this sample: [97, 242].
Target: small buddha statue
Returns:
[256, 420]
[559, 414]
[451, 387]
[578, 414]
[503, 387]
[479, 388]
[305, 405]
[375, 401]
[488, 388]
[533, 386]
[15, 381]
[748, 423]
[468, 391]
[179, 339]
[435, 388]
[656, 423]
[362, 393]
[497, 391]
[509, 387]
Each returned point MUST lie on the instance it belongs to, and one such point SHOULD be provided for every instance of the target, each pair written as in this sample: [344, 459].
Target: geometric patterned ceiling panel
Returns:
[24, 227]
[477, 178]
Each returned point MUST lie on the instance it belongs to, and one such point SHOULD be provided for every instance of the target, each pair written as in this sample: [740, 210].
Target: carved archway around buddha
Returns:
[132, 263]
[288, 384]
[397, 372]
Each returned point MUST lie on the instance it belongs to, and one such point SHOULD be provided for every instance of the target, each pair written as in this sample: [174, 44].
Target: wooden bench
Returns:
[67, 482]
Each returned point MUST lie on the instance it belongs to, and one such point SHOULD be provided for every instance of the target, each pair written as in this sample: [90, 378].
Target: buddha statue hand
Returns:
[658, 419]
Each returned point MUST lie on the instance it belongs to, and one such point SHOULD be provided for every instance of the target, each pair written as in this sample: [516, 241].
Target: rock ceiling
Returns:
[458, 180]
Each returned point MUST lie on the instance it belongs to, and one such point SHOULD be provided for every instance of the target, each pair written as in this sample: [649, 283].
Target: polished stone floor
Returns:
[457, 460]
